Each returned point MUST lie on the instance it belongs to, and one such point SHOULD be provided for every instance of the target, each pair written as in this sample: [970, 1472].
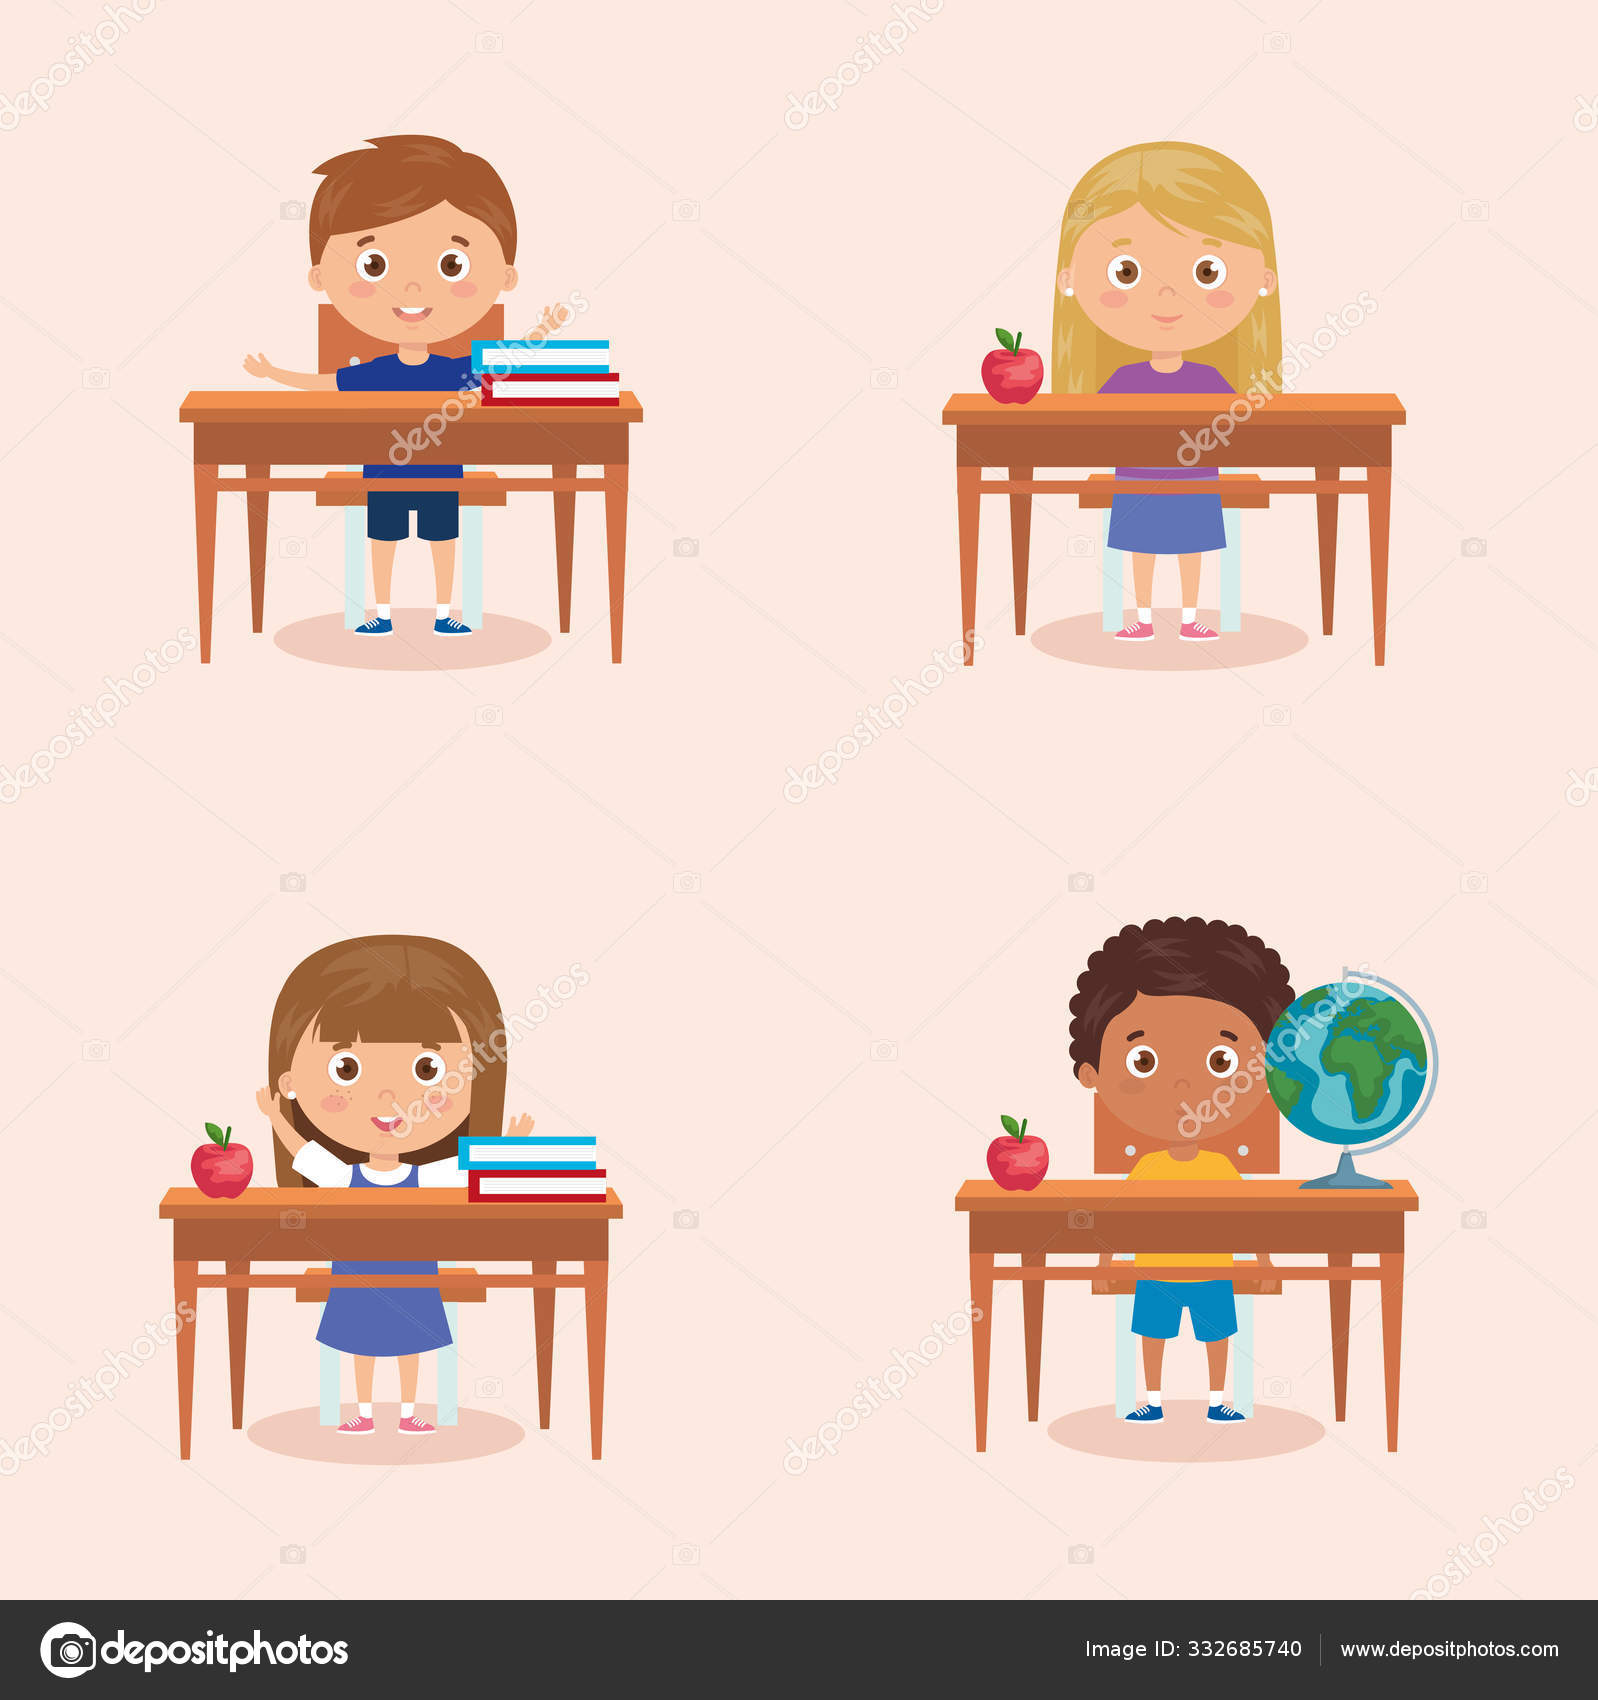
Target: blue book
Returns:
[555, 354]
[531, 1151]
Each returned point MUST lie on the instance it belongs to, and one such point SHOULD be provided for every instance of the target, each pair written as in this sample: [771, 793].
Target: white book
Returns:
[573, 387]
[546, 1186]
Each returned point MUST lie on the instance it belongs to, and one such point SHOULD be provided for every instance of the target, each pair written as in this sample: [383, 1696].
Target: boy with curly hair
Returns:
[1160, 1011]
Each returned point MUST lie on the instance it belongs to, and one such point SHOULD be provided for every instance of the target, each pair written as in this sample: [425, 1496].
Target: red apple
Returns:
[1020, 1159]
[221, 1169]
[1011, 372]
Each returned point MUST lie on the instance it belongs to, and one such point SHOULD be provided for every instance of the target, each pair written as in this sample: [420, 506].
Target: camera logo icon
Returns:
[1473, 548]
[293, 1554]
[1473, 1219]
[1473, 884]
[685, 212]
[1081, 1553]
[68, 1649]
[685, 548]
[488, 714]
[1081, 211]
[1079, 882]
[1276, 1387]
[884, 378]
[291, 882]
[292, 548]
[1473, 212]
[1276, 714]
[1080, 546]
[685, 1218]
[96, 378]
[489, 1387]
[96, 1050]
[885, 1050]
[293, 1220]
[291, 209]
[684, 1554]
[685, 884]
[487, 41]
[1278, 41]
[1080, 1219]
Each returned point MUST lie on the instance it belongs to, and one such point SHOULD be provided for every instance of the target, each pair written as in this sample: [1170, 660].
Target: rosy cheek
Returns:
[465, 290]
[440, 1105]
[360, 289]
[333, 1103]
[1113, 298]
[1221, 298]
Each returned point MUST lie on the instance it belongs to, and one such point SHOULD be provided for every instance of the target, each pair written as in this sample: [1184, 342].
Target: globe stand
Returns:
[1345, 1175]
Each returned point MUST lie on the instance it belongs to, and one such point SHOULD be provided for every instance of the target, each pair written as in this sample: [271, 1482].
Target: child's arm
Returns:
[448, 1171]
[315, 1162]
[258, 366]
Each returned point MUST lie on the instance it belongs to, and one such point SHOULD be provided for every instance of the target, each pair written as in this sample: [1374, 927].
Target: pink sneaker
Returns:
[415, 1425]
[1140, 631]
[358, 1425]
[1195, 631]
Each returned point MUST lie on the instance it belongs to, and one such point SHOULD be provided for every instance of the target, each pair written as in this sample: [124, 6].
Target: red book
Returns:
[551, 389]
[536, 1186]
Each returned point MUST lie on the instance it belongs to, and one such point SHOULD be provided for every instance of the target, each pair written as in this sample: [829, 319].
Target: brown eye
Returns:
[428, 1067]
[1124, 272]
[344, 1067]
[453, 264]
[1142, 1061]
[372, 264]
[1222, 1062]
[1209, 271]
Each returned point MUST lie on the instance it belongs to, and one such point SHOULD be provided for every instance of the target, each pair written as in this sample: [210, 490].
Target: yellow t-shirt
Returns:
[1201, 1166]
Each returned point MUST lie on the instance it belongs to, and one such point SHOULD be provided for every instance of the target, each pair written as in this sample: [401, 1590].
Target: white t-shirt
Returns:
[321, 1168]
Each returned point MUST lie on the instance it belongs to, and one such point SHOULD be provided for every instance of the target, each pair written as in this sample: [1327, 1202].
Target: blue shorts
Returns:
[1157, 1309]
[1167, 525]
[438, 518]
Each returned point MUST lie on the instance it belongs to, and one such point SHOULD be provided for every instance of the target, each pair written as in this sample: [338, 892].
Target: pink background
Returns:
[726, 1050]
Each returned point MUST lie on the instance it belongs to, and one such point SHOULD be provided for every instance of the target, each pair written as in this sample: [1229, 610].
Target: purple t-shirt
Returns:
[1190, 378]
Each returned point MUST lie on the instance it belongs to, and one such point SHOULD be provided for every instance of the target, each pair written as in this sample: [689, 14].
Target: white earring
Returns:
[1069, 290]
[1264, 290]
[289, 1094]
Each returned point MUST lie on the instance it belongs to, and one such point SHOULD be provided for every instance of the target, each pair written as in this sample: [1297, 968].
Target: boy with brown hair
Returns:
[412, 241]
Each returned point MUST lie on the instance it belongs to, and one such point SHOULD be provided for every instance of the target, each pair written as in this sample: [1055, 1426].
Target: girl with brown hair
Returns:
[384, 1052]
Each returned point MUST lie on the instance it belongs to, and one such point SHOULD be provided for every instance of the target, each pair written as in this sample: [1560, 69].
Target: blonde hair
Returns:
[1181, 185]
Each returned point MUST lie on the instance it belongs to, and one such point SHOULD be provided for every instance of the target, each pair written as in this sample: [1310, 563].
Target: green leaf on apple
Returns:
[1015, 1129]
[217, 1135]
[1007, 342]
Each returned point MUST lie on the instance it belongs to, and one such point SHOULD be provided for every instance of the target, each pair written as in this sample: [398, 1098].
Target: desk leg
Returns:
[1032, 1315]
[565, 527]
[595, 1276]
[1342, 1295]
[968, 496]
[255, 508]
[186, 1293]
[1392, 1284]
[616, 551]
[1380, 479]
[544, 1338]
[238, 1318]
[1020, 547]
[981, 1337]
[205, 551]
[1326, 528]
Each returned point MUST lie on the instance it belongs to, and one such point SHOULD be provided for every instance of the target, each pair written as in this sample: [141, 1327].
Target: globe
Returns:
[1352, 1063]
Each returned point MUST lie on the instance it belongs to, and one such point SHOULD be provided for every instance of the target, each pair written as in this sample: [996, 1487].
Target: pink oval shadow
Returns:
[413, 646]
[1184, 1436]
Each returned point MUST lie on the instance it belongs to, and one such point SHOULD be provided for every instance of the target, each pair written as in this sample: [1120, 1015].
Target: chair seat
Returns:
[1242, 1283]
[340, 490]
[456, 1285]
[1238, 490]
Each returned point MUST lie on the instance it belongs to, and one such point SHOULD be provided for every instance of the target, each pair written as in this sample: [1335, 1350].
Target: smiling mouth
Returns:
[1158, 318]
[387, 1124]
[412, 315]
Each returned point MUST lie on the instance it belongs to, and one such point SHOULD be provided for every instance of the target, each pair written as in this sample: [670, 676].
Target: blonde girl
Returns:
[1166, 285]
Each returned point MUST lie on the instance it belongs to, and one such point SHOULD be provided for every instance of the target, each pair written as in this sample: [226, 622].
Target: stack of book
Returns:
[557, 372]
[533, 1169]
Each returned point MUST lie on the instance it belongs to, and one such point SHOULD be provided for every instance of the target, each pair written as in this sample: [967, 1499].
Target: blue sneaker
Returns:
[1223, 1414]
[376, 625]
[1146, 1414]
[451, 626]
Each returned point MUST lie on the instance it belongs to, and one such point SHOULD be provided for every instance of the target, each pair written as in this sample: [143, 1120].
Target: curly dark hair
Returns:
[1176, 958]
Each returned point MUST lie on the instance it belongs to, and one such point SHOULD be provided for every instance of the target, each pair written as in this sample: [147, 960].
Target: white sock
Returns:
[442, 610]
[364, 1409]
[1189, 615]
[407, 1409]
[1152, 1398]
[383, 611]
[1146, 615]
[1218, 1398]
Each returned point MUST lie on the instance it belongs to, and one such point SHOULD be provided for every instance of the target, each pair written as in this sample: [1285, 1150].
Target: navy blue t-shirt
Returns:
[389, 372]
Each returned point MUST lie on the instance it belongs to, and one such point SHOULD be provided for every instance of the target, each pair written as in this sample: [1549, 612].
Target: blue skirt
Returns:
[1166, 525]
[384, 1322]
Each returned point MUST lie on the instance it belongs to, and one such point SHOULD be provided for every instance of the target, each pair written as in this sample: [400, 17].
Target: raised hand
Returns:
[519, 1128]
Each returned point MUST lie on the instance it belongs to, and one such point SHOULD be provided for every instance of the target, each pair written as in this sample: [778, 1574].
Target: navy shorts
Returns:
[1157, 1309]
[438, 518]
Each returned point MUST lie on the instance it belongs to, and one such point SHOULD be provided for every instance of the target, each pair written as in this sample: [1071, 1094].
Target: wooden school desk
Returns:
[1102, 1217]
[391, 1224]
[261, 429]
[1326, 432]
